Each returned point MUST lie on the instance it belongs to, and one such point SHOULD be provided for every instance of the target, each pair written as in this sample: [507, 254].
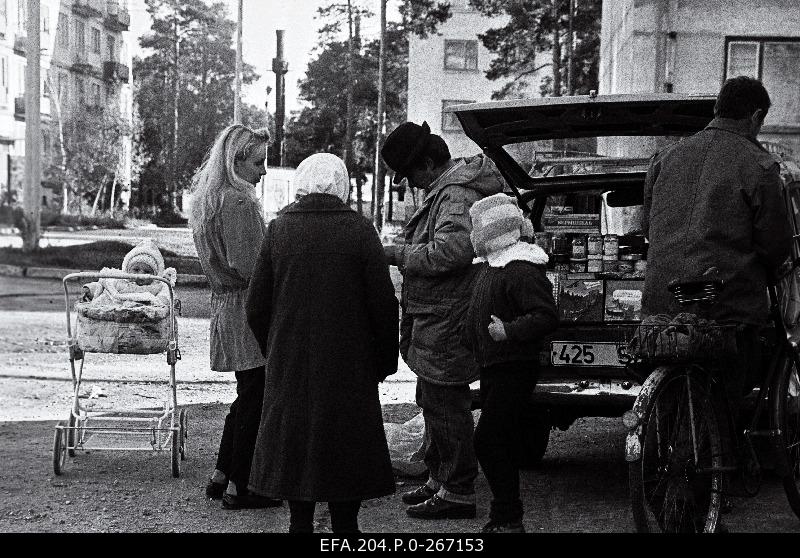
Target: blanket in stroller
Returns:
[122, 317]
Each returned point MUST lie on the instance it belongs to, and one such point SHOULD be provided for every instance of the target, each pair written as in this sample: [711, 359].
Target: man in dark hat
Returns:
[436, 263]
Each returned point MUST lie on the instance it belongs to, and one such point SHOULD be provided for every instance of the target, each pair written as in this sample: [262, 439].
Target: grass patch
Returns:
[91, 257]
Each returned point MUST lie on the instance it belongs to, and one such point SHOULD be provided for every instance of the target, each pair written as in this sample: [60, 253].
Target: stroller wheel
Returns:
[59, 448]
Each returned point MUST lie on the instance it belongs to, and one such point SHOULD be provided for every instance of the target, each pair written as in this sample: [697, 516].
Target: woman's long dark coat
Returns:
[323, 309]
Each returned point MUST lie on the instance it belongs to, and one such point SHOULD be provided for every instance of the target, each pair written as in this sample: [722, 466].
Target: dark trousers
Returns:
[505, 396]
[344, 516]
[450, 454]
[740, 376]
[241, 428]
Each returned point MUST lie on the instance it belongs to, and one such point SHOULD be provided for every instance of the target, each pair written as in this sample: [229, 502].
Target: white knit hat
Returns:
[146, 252]
[497, 222]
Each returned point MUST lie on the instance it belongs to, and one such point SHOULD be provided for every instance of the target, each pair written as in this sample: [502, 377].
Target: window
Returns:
[22, 15]
[80, 36]
[776, 62]
[97, 99]
[461, 55]
[45, 20]
[95, 40]
[80, 90]
[63, 30]
[450, 122]
[4, 80]
[112, 48]
[63, 88]
[3, 16]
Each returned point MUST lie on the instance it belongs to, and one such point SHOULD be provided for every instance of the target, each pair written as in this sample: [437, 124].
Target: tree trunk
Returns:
[173, 164]
[111, 204]
[379, 178]
[56, 96]
[570, 46]
[556, 50]
[348, 135]
[99, 193]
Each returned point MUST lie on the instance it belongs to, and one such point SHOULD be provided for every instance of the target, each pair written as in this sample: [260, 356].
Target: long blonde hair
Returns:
[217, 174]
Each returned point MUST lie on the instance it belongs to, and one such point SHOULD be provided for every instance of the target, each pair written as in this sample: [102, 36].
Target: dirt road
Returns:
[580, 487]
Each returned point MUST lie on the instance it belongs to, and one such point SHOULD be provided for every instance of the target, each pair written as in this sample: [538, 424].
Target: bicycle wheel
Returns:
[785, 407]
[672, 491]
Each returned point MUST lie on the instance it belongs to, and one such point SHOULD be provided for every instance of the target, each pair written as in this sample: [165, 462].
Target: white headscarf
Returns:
[322, 173]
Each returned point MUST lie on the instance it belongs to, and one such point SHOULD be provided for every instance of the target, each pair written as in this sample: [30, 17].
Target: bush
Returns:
[166, 218]
[6, 215]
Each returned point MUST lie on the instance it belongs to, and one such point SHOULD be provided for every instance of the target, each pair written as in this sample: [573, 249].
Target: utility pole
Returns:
[32, 201]
[379, 176]
[237, 100]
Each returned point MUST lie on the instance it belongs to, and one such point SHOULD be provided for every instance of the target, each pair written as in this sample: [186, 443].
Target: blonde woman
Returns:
[228, 229]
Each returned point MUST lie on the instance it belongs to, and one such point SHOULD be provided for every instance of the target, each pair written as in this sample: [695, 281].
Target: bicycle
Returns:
[675, 448]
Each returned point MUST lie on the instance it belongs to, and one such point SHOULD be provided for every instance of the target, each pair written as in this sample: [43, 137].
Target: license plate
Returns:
[577, 353]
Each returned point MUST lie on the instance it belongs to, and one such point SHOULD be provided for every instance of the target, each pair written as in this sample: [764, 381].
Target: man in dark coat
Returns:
[435, 261]
[323, 309]
[713, 201]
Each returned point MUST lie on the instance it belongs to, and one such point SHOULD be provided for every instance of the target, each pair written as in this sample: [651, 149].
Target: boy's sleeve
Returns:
[532, 293]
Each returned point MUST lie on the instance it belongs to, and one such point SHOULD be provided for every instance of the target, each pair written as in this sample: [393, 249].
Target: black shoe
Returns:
[499, 527]
[248, 502]
[436, 508]
[215, 490]
[418, 495]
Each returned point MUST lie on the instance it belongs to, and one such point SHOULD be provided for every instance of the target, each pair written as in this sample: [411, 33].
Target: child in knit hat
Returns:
[511, 310]
[145, 259]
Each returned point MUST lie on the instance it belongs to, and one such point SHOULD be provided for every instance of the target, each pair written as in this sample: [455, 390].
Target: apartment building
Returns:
[449, 68]
[85, 63]
[693, 46]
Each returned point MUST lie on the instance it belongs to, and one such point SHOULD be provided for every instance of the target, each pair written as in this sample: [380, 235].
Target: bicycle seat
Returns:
[703, 289]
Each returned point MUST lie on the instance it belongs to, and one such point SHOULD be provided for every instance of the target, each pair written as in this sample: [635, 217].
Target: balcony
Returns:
[19, 107]
[118, 18]
[87, 8]
[114, 71]
[20, 43]
[81, 65]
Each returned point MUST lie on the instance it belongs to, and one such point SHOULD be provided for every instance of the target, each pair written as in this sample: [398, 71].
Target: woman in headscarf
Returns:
[228, 227]
[322, 307]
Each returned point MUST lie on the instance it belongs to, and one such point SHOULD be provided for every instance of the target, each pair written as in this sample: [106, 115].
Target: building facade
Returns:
[449, 68]
[693, 46]
[85, 64]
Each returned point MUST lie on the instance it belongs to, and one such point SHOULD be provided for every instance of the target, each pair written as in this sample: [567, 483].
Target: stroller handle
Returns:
[173, 344]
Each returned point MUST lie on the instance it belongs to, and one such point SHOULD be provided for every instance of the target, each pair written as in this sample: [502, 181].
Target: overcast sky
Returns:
[261, 19]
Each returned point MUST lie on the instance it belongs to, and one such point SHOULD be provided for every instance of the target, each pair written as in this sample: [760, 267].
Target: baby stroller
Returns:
[134, 333]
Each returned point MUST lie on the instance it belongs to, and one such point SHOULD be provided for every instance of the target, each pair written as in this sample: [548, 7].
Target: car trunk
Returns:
[577, 165]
